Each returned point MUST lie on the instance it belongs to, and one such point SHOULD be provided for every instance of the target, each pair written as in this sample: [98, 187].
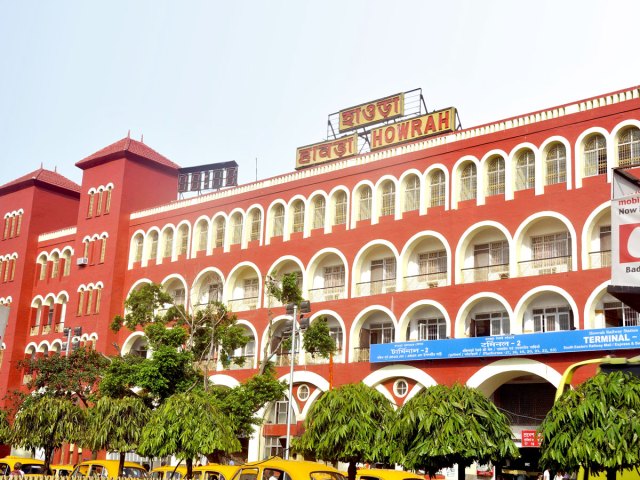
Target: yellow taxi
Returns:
[59, 470]
[108, 469]
[384, 474]
[168, 472]
[279, 469]
[30, 466]
[215, 471]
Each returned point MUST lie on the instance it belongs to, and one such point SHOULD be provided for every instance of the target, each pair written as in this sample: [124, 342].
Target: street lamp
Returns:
[292, 309]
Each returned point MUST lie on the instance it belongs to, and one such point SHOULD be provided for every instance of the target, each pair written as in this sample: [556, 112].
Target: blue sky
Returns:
[208, 81]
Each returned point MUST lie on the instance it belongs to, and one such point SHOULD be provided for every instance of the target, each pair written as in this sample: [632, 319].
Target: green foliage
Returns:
[115, 424]
[143, 305]
[285, 289]
[317, 340]
[5, 428]
[47, 422]
[346, 424]
[76, 375]
[119, 377]
[596, 426]
[442, 426]
[187, 425]
[241, 403]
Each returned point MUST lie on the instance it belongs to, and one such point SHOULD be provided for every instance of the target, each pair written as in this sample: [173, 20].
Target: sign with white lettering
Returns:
[616, 338]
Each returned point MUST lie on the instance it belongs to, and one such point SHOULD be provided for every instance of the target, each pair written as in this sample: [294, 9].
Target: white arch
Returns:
[529, 296]
[466, 237]
[312, 265]
[228, 290]
[538, 185]
[224, 380]
[417, 238]
[422, 378]
[404, 317]
[508, 171]
[361, 255]
[275, 324]
[455, 176]
[355, 203]
[586, 231]
[614, 136]
[359, 320]
[130, 342]
[338, 318]
[590, 304]
[465, 308]
[254, 332]
[447, 179]
[579, 153]
[377, 197]
[569, 157]
[491, 376]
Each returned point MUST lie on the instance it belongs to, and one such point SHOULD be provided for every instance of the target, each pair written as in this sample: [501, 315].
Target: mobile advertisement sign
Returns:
[625, 231]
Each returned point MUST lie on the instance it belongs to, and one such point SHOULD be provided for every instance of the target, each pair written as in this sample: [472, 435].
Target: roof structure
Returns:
[127, 147]
[44, 178]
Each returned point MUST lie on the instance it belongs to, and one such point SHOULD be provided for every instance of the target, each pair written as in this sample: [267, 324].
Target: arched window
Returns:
[364, 203]
[629, 147]
[153, 245]
[55, 265]
[525, 170]
[388, 206]
[92, 195]
[495, 176]
[319, 205]
[138, 243]
[468, 182]
[183, 239]
[167, 251]
[278, 221]
[437, 188]
[236, 228]
[412, 194]
[202, 232]
[556, 164]
[219, 232]
[66, 256]
[107, 201]
[340, 217]
[256, 221]
[298, 216]
[595, 155]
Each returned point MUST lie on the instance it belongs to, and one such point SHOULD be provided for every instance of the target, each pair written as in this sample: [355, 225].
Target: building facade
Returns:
[493, 232]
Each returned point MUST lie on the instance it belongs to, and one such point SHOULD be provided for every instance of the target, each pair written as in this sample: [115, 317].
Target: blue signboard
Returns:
[617, 338]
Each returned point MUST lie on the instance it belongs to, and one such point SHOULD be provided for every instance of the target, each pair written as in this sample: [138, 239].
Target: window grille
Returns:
[468, 182]
[364, 210]
[490, 324]
[220, 232]
[490, 254]
[67, 264]
[298, 217]
[250, 288]
[183, 240]
[18, 220]
[383, 269]
[278, 221]
[107, 203]
[341, 209]
[168, 245]
[99, 205]
[432, 329]
[437, 189]
[617, 314]
[388, 199]
[432, 262]
[381, 333]
[551, 245]
[178, 296]
[89, 300]
[203, 233]
[256, 220]
[525, 171]
[551, 319]
[236, 229]
[98, 298]
[629, 148]
[7, 223]
[412, 194]
[595, 156]
[556, 165]
[90, 208]
[80, 302]
[153, 253]
[495, 176]
[319, 212]
[55, 265]
[138, 249]
[334, 276]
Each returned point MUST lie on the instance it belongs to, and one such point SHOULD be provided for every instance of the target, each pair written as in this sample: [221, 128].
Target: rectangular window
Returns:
[13, 269]
[318, 214]
[19, 226]
[7, 222]
[55, 263]
[551, 319]
[138, 255]
[364, 210]
[168, 245]
[80, 302]
[605, 238]
[103, 250]
[490, 324]
[99, 205]
[153, 254]
[381, 333]
[278, 223]
[298, 217]
[280, 412]
[552, 245]
[107, 203]
[236, 231]
[432, 262]
[334, 276]
[251, 288]
[67, 265]
[43, 270]
[203, 233]
[90, 208]
[14, 223]
[98, 299]
[383, 269]
[219, 233]
[86, 249]
[89, 301]
[255, 227]
[178, 296]
[432, 329]
[617, 314]
[341, 211]
[184, 242]
[272, 448]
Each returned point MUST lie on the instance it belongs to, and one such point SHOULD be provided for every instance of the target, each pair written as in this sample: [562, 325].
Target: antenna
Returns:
[129, 133]
[256, 169]
[142, 138]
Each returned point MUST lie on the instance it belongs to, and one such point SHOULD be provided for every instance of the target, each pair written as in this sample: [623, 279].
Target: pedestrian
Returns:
[547, 474]
[559, 475]
[17, 470]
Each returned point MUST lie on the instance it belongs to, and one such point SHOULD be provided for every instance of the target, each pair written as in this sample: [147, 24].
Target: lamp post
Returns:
[292, 309]
[71, 334]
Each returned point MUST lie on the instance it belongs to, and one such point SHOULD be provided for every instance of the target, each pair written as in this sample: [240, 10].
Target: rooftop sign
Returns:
[373, 112]
[327, 151]
[437, 122]
[208, 177]
[568, 341]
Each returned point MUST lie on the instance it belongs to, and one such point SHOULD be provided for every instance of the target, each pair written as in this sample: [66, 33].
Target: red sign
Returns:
[531, 438]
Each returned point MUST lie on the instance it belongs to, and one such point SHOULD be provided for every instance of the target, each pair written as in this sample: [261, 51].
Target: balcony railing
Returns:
[318, 360]
[361, 354]
[46, 329]
[425, 280]
[326, 294]
[544, 266]
[243, 304]
[600, 259]
[376, 287]
[248, 362]
[34, 330]
[282, 360]
[485, 274]
[59, 328]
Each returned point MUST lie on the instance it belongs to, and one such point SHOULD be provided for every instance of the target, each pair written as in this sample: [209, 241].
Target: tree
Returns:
[74, 375]
[596, 426]
[47, 422]
[346, 424]
[187, 425]
[115, 424]
[446, 425]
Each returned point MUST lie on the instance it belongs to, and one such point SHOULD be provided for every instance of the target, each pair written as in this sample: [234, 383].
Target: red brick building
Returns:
[497, 230]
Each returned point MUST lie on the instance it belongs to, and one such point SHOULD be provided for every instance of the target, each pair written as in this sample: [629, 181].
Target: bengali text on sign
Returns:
[373, 112]
[326, 151]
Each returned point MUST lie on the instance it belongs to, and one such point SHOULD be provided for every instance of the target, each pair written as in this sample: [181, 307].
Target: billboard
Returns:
[625, 230]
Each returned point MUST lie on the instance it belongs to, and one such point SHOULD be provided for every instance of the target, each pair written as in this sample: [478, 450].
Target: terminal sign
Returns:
[373, 112]
[326, 151]
[434, 123]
